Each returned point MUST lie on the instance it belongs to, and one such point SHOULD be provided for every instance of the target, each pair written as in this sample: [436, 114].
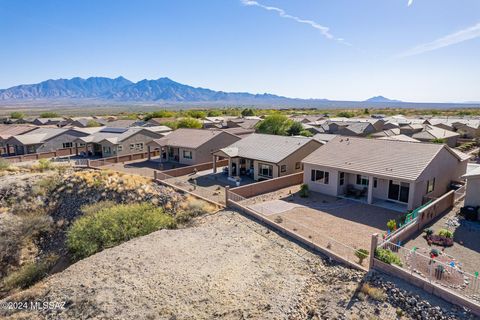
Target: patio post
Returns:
[227, 188]
[373, 247]
[370, 190]
[214, 164]
[229, 167]
[149, 155]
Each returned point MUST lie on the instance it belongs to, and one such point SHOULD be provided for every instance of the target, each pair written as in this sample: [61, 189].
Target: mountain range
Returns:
[123, 90]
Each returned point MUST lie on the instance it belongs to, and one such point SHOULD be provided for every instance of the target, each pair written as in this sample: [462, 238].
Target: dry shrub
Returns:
[374, 293]
[29, 273]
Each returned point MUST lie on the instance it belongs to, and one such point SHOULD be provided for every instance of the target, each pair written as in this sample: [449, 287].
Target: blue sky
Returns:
[336, 49]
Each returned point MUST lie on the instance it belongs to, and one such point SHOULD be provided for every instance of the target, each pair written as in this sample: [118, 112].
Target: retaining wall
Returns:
[267, 186]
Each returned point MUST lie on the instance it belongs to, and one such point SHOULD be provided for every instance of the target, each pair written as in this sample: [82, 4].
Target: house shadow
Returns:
[217, 179]
[467, 234]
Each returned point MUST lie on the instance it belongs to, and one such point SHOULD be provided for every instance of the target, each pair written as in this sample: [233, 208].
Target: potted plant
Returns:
[392, 225]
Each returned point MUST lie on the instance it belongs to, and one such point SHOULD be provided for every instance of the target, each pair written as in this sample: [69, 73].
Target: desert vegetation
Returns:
[52, 216]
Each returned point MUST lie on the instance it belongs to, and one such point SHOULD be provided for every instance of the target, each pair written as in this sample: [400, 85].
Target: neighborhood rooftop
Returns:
[188, 138]
[265, 147]
[387, 158]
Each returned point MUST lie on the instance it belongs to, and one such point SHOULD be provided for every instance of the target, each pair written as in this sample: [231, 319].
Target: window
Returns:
[298, 165]
[375, 182]
[132, 146]
[106, 150]
[187, 154]
[265, 170]
[430, 185]
[81, 144]
[362, 180]
[67, 145]
[283, 168]
[342, 178]
[139, 146]
[319, 176]
[120, 148]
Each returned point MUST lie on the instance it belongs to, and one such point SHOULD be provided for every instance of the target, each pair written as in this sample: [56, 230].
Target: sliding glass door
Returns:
[398, 191]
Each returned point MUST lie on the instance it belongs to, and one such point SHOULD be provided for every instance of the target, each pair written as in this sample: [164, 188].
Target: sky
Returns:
[411, 50]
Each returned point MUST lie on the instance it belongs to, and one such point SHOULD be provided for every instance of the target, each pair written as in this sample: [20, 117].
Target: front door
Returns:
[398, 191]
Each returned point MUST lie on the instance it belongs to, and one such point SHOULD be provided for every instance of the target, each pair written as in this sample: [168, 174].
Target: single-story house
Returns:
[109, 142]
[59, 122]
[36, 141]
[472, 190]
[7, 131]
[432, 134]
[384, 171]
[246, 123]
[265, 156]
[192, 146]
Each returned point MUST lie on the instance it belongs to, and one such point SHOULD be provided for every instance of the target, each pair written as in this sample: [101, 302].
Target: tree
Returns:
[17, 115]
[366, 111]
[92, 123]
[159, 114]
[295, 129]
[438, 140]
[275, 124]
[214, 113]
[249, 112]
[189, 122]
[198, 114]
[345, 114]
[306, 133]
[49, 114]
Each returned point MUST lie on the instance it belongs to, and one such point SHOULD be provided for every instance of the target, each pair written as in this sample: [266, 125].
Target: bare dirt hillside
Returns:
[224, 267]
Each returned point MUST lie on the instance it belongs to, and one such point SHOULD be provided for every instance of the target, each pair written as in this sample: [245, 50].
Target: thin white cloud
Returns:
[410, 2]
[325, 31]
[451, 39]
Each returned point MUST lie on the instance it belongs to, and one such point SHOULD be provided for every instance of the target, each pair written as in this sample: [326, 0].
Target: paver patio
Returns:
[326, 220]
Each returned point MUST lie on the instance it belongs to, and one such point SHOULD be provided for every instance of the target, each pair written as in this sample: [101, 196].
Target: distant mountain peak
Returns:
[380, 99]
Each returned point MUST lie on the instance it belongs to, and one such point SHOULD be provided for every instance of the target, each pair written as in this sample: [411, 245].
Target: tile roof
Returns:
[266, 147]
[325, 137]
[432, 132]
[188, 138]
[6, 131]
[400, 137]
[39, 135]
[378, 157]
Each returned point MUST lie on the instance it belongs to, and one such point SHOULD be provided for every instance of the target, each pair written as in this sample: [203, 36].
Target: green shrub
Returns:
[49, 114]
[445, 233]
[388, 256]
[392, 225]
[428, 231]
[45, 164]
[361, 254]
[4, 165]
[112, 226]
[304, 190]
[189, 123]
[91, 209]
[29, 273]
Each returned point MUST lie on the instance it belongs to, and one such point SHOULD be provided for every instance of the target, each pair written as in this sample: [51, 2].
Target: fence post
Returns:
[227, 189]
[155, 174]
[88, 163]
[373, 247]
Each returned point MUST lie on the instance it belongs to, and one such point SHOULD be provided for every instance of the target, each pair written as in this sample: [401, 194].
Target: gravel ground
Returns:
[466, 247]
[224, 267]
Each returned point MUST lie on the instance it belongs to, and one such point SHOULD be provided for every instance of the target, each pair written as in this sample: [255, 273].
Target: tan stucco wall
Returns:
[444, 168]
[472, 194]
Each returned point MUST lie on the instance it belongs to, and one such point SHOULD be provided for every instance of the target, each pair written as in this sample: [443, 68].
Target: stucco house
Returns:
[380, 171]
[192, 146]
[110, 142]
[472, 191]
[7, 131]
[432, 134]
[265, 156]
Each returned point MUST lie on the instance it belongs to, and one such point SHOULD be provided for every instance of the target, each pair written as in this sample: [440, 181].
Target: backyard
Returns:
[465, 252]
[341, 225]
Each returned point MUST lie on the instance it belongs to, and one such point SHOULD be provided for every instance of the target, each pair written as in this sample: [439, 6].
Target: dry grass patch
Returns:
[374, 293]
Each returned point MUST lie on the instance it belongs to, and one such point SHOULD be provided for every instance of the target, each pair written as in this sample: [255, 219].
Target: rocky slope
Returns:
[224, 267]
